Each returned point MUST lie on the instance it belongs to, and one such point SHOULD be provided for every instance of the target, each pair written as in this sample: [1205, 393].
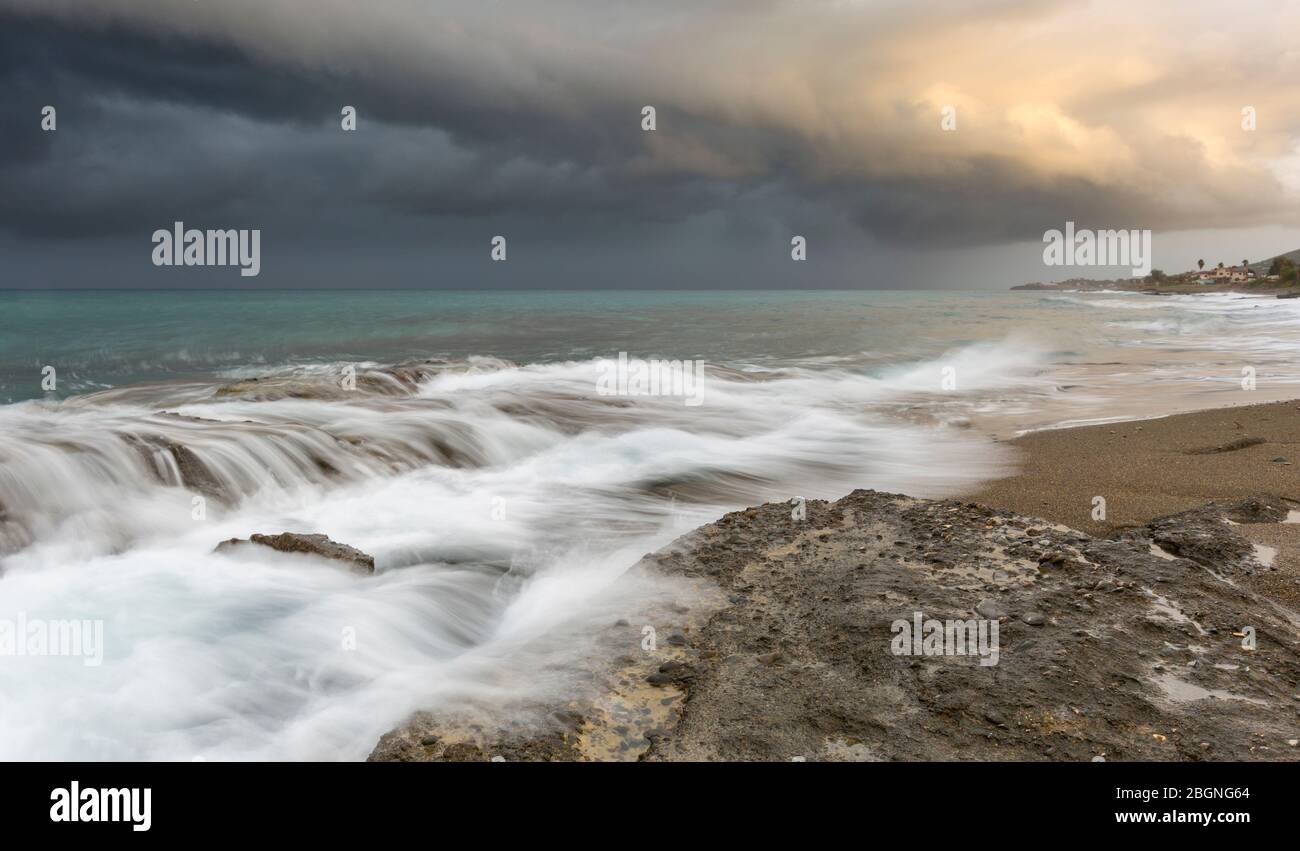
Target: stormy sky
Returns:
[524, 119]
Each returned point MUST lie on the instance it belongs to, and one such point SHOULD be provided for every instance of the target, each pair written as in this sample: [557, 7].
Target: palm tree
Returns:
[1200, 264]
[1245, 263]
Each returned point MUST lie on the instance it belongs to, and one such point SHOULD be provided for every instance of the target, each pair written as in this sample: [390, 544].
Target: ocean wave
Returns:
[499, 500]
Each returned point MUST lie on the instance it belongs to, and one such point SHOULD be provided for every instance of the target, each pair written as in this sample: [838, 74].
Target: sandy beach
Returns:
[1151, 468]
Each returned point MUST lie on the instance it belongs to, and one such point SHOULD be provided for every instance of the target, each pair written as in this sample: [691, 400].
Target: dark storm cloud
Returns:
[774, 118]
[149, 124]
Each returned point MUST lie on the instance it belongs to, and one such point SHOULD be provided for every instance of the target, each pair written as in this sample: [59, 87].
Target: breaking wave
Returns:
[500, 502]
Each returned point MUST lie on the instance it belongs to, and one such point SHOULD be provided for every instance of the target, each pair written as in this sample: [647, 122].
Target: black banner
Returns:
[218, 800]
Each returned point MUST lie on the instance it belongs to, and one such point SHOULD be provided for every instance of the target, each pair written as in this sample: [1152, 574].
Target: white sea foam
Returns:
[503, 505]
[500, 503]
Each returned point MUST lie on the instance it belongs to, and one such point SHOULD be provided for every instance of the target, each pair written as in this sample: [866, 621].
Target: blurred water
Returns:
[501, 495]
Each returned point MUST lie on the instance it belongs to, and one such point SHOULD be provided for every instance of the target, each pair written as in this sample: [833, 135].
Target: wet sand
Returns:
[1151, 468]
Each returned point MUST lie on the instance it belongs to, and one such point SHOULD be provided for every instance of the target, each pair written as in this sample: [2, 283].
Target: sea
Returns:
[469, 442]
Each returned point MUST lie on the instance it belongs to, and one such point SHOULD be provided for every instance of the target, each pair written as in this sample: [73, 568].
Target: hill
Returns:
[1261, 268]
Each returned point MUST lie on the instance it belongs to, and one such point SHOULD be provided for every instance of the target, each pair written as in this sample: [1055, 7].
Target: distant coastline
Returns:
[1278, 276]
[1170, 287]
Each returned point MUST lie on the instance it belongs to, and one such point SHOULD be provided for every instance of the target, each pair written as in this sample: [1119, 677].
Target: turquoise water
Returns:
[502, 494]
[102, 339]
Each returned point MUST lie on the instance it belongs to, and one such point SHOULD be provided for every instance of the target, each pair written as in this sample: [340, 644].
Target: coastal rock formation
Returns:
[1205, 535]
[317, 545]
[13, 536]
[395, 380]
[818, 644]
[188, 467]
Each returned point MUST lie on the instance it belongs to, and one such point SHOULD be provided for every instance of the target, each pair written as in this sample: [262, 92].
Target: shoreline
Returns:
[1263, 289]
[1149, 468]
[1182, 460]
[1122, 638]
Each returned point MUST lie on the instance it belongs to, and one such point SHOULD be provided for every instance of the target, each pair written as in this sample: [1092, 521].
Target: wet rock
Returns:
[1202, 535]
[194, 474]
[567, 718]
[398, 380]
[1256, 509]
[1115, 665]
[317, 545]
[994, 718]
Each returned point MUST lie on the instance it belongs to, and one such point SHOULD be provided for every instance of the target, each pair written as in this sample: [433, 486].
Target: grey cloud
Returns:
[775, 117]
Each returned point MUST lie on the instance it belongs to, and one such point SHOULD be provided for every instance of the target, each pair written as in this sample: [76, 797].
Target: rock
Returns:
[567, 718]
[317, 545]
[1256, 509]
[1107, 669]
[194, 474]
[1202, 536]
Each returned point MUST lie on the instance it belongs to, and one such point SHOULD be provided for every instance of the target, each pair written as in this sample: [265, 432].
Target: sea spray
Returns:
[503, 505]
[503, 501]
